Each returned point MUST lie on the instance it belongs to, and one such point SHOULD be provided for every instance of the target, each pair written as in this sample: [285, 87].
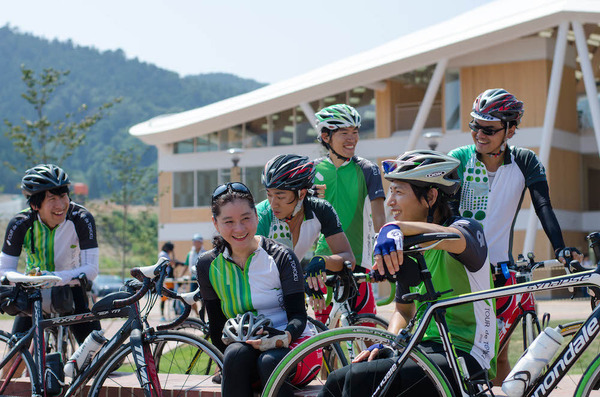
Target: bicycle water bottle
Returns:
[84, 354]
[531, 363]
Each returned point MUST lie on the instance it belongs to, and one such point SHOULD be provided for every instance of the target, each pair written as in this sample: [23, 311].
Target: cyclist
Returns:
[494, 178]
[58, 236]
[249, 273]
[421, 184]
[167, 251]
[295, 219]
[354, 188]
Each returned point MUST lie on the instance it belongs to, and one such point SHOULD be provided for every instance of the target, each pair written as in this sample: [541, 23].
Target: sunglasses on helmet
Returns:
[392, 165]
[237, 187]
[489, 131]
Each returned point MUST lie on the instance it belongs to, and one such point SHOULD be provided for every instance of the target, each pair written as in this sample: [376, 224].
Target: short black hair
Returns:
[36, 200]
[167, 247]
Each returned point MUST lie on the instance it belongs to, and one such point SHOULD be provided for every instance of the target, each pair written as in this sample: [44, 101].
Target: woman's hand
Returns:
[273, 339]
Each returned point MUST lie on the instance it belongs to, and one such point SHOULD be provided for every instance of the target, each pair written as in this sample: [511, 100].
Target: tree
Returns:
[44, 141]
[131, 183]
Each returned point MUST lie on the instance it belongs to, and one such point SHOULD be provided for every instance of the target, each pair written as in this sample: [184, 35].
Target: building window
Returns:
[206, 182]
[186, 146]
[305, 133]
[283, 128]
[208, 142]
[183, 189]
[231, 138]
[452, 100]
[256, 133]
[363, 100]
[252, 179]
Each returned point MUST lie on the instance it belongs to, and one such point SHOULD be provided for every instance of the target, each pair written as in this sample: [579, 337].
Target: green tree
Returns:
[131, 183]
[41, 140]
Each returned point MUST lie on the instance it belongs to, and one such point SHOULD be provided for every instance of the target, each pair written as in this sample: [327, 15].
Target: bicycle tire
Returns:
[289, 363]
[333, 355]
[589, 380]
[194, 326]
[369, 318]
[182, 364]
[14, 388]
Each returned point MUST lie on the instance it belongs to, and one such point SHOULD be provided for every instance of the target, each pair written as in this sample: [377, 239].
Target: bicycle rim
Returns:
[183, 362]
[19, 383]
[288, 365]
[333, 354]
[590, 380]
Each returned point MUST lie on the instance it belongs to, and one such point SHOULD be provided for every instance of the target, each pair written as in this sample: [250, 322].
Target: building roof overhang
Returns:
[484, 27]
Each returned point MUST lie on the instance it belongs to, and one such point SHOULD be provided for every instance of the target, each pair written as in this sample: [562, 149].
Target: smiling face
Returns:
[237, 223]
[282, 202]
[404, 205]
[53, 210]
[490, 143]
[343, 141]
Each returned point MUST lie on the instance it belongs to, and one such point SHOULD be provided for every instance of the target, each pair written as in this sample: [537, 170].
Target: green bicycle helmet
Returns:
[426, 168]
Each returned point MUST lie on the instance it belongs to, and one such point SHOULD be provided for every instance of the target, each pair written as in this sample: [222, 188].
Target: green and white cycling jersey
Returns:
[495, 203]
[350, 189]
[319, 217]
[271, 272]
[472, 326]
[67, 250]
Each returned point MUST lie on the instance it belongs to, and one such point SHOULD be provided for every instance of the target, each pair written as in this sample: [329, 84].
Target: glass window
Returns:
[363, 100]
[256, 133]
[452, 100]
[208, 143]
[253, 181]
[186, 146]
[334, 99]
[231, 138]
[207, 181]
[183, 189]
[283, 128]
[305, 133]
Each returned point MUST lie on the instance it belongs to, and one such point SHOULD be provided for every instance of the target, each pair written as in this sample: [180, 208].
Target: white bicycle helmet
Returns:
[337, 116]
[244, 327]
[425, 168]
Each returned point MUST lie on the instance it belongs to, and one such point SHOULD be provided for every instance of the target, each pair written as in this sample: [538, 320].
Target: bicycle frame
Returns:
[132, 329]
[560, 366]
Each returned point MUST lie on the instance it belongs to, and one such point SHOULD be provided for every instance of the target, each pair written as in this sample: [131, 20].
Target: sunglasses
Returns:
[230, 187]
[489, 131]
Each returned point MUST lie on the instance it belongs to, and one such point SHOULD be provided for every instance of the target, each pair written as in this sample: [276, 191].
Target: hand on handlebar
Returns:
[568, 254]
[315, 272]
[388, 249]
[315, 297]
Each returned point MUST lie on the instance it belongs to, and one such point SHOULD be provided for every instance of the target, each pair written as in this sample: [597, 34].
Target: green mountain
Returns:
[97, 77]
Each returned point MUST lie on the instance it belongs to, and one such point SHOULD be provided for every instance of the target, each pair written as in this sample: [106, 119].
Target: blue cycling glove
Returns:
[389, 239]
[315, 267]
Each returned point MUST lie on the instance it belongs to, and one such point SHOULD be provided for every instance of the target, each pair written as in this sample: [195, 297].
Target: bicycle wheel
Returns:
[194, 326]
[590, 381]
[531, 329]
[183, 362]
[287, 366]
[333, 355]
[371, 319]
[14, 377]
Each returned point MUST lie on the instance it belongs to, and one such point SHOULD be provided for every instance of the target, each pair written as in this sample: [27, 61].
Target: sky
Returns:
[268, 41]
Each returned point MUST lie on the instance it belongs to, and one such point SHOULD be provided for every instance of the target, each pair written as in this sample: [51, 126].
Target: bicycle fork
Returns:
[145, 365]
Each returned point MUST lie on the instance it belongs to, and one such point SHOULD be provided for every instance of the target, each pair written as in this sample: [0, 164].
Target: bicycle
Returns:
[433, 309]
[159, 358]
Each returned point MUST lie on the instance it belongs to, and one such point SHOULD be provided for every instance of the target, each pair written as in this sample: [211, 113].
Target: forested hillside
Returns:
[98, 77]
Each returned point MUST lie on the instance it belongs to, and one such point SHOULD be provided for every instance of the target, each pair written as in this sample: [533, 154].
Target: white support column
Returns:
[588, 78]
[309, 113]
[549, 119]
[425, 107]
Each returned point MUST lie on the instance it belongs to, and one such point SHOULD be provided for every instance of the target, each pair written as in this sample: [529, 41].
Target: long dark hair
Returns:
[230, 196]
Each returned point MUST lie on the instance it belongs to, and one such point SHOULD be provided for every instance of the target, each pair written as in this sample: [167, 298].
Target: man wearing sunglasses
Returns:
[494, 178]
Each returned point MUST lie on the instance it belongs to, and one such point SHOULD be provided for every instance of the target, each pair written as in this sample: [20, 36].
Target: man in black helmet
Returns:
[57, 235]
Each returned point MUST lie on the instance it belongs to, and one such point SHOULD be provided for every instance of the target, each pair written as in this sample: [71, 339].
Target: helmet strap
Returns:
[297, 208]
[328, 146]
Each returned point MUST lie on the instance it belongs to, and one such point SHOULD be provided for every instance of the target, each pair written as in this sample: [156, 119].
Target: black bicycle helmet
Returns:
[43, 177]
[244, 327]
[425, 168]
[288, 172]
[497, 104]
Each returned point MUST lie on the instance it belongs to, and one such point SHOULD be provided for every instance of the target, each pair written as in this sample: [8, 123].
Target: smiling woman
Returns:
[248, 273]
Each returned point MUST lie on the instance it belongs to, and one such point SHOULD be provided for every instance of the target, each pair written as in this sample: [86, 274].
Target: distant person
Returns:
[167, 252]
[190, 262]
[354, 188]
[57, 235]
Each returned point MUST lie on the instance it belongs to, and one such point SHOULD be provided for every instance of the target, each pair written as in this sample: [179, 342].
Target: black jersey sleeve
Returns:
[475, 254]
[530, 165]
[85, 226]
[15, 233]
[372, 178]
[540, 197]
[328, 218]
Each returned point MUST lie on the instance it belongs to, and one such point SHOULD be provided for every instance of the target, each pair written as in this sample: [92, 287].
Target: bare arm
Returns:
[403, 313]
[378, 212]
[341, 252]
